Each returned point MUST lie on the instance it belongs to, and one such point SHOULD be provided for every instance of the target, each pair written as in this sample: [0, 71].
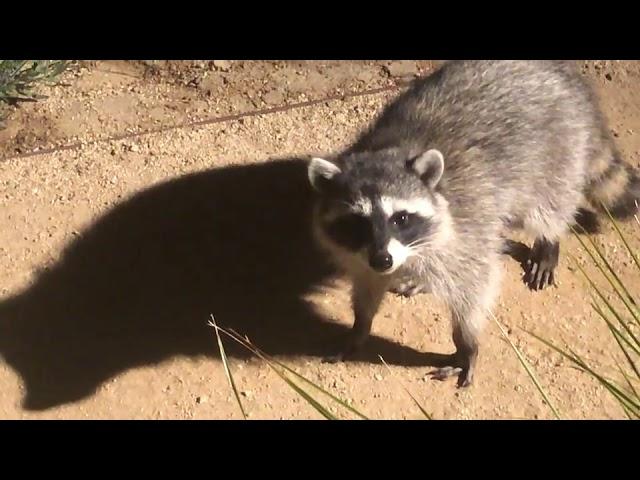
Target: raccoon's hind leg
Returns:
[541, 264]
[548, 223]
[586, 221]
[367, 295]
[543, 257]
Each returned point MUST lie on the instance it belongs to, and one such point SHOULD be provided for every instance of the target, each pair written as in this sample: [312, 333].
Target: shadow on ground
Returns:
[139, 285]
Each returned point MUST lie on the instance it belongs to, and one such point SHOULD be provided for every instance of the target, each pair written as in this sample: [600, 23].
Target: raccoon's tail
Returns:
[615, 185]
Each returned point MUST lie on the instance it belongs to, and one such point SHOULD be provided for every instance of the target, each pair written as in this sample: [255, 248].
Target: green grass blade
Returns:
[627, 412]
[577, 359]
[227, 370]
[621, 396]
[623, 238]
[308, 398]
[627, 298]
[322, 390]
[312, 401]
[420, 407]
[525, 364]
[606, 302]
[628, 381]
[248, 345]
[628, 295]
[600, 311]
[617, 335]
[615, 390]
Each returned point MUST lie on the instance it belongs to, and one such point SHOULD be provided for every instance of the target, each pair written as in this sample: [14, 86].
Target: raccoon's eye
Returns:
[401, 219]
[352, 231]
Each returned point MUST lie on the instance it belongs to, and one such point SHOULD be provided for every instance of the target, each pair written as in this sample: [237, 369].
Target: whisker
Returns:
[417, 255]
[417, 241]
[419, 245]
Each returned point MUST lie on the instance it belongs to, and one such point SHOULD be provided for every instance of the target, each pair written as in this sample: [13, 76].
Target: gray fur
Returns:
[524, 144]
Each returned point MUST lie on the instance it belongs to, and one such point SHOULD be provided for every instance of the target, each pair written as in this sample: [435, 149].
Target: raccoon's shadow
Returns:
[139, 285]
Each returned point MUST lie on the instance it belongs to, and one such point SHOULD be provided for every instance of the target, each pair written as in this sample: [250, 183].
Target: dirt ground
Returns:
[140, 198]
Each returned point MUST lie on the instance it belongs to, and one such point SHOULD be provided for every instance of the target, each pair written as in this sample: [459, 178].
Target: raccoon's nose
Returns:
[381, 261]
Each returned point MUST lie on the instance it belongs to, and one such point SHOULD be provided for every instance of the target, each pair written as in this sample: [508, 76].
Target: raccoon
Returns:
[421, 201]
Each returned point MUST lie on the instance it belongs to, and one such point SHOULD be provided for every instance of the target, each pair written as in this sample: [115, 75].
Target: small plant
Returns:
[527, 367]
[618, 308]
[19, 78]
[286, 374]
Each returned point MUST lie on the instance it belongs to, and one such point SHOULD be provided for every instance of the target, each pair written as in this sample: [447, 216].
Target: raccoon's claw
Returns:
[537, 277]
[464, 380]
[351, 348]
[408, 289]
[464, 376]
[444, 373]
[539, 268]
[337, 358]
[459, 365]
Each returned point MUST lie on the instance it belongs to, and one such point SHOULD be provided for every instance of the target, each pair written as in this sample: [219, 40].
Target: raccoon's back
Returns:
[485, 103]
[505, 129]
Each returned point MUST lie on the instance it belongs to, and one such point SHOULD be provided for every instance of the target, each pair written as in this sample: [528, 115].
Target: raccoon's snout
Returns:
[381, 261]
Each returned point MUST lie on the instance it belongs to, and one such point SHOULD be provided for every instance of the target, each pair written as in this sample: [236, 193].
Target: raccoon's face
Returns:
[379, 209]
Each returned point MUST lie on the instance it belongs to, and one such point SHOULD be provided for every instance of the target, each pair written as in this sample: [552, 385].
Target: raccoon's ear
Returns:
[429, 166]
[321, 172]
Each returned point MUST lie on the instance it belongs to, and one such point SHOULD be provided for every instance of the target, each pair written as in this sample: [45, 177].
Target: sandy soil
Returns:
[129, 215]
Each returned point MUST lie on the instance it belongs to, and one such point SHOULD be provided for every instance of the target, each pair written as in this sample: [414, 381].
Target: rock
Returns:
[367, 76]
[402, 68]
[211, 84]
[157, 114]
[274, 97]
[223, 65]
[317, 82]
[240, 103]
[202, 399]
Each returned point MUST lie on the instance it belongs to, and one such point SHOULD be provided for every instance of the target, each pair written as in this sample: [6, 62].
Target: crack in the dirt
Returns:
[208, 121]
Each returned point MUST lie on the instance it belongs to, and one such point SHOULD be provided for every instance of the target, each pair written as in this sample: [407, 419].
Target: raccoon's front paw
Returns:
[408, 289]
[341, 356]
[537, 276]
[540, 267]
[350, 347]
[464, 376]
[457, 366]
[337, 358]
